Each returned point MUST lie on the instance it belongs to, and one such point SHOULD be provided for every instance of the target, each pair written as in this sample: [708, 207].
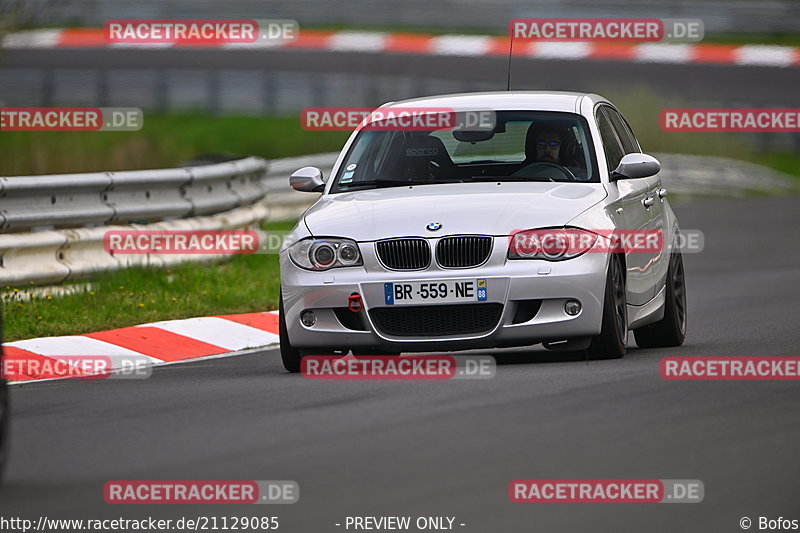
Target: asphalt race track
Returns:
[450, 448]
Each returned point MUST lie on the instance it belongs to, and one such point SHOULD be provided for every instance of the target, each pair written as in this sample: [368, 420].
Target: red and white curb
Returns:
[449, 45]
[159, 342]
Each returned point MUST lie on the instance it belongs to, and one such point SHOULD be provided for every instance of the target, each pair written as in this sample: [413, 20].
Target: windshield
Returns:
[522, 146]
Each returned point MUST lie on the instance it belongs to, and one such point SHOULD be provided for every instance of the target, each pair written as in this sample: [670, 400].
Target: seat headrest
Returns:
[425, 146]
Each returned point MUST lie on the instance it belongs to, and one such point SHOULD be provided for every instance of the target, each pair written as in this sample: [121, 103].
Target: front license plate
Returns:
[450, 291]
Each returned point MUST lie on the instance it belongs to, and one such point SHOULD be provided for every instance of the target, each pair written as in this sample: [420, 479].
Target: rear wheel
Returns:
[290, 356]
[670, 330]
[611, 343]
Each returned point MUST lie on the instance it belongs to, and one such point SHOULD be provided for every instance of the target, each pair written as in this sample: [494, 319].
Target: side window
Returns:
[611, 145]
[623, 131]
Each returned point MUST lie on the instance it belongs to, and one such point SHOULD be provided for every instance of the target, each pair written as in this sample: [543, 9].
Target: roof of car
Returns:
[504, 100]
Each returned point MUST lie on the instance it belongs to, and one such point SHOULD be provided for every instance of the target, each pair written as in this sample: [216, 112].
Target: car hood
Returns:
[462, 208]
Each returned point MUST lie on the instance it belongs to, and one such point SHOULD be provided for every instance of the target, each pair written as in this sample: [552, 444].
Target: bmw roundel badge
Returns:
[433, 226]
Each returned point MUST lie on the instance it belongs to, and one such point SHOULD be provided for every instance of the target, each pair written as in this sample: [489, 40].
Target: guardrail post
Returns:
[270, 103]
[318, 91]
[161, 97]
[48, 87]
[101, 80]
[214, 91]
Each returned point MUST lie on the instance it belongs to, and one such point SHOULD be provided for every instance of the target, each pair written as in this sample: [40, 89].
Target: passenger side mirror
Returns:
[634, 166]
[307, 179]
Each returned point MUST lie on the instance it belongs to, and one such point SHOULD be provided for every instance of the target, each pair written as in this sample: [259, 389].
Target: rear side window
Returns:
[611, 145]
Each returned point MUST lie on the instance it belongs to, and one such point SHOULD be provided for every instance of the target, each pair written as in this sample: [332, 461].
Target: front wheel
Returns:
[290, 356]
[612, 341]
[670, 330]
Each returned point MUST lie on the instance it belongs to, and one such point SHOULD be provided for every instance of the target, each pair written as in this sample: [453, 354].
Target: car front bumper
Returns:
[519, 286]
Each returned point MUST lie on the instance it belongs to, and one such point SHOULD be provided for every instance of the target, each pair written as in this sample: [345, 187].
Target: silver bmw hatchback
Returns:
[547, 226]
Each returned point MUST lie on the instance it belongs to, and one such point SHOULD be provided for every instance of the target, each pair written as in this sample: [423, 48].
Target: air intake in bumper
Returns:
[437, 320]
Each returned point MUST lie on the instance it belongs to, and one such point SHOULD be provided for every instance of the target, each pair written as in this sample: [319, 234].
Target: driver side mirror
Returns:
[634, 166]
[307, 179]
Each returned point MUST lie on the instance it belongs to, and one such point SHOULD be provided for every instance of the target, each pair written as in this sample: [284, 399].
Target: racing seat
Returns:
[424, 157]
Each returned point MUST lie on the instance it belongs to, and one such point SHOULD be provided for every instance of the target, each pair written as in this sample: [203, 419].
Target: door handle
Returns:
[648, 202]
[662, 192]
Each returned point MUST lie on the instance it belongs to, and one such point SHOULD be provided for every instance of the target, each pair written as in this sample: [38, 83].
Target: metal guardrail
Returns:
[52, 227]
[31, 203]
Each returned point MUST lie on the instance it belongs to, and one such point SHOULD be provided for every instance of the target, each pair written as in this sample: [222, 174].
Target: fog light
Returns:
[308, 319]
[572, 307]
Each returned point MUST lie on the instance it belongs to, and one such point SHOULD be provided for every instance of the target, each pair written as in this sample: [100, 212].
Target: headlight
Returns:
[553, 244]
[324, 254]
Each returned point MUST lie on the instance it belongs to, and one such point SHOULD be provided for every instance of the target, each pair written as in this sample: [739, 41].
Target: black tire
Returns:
[290, 356]
[670, 330]
[611, 343]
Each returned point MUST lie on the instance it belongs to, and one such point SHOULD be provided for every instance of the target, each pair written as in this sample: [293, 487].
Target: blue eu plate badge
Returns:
[481, 290]
[388, 293]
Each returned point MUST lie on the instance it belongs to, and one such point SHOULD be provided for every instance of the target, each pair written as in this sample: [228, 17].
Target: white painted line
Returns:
[357, 41]
[772, 56]
[32, 39]
[460, 45]
[142, 45]
[663, 53]
[260, 44]
[558, 50]
[218, 331]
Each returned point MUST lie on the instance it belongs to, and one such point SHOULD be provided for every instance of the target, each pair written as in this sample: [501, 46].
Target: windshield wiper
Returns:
[395, 183]
[507, 178]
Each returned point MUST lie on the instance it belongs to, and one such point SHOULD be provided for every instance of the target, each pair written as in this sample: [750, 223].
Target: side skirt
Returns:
[652, 311]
